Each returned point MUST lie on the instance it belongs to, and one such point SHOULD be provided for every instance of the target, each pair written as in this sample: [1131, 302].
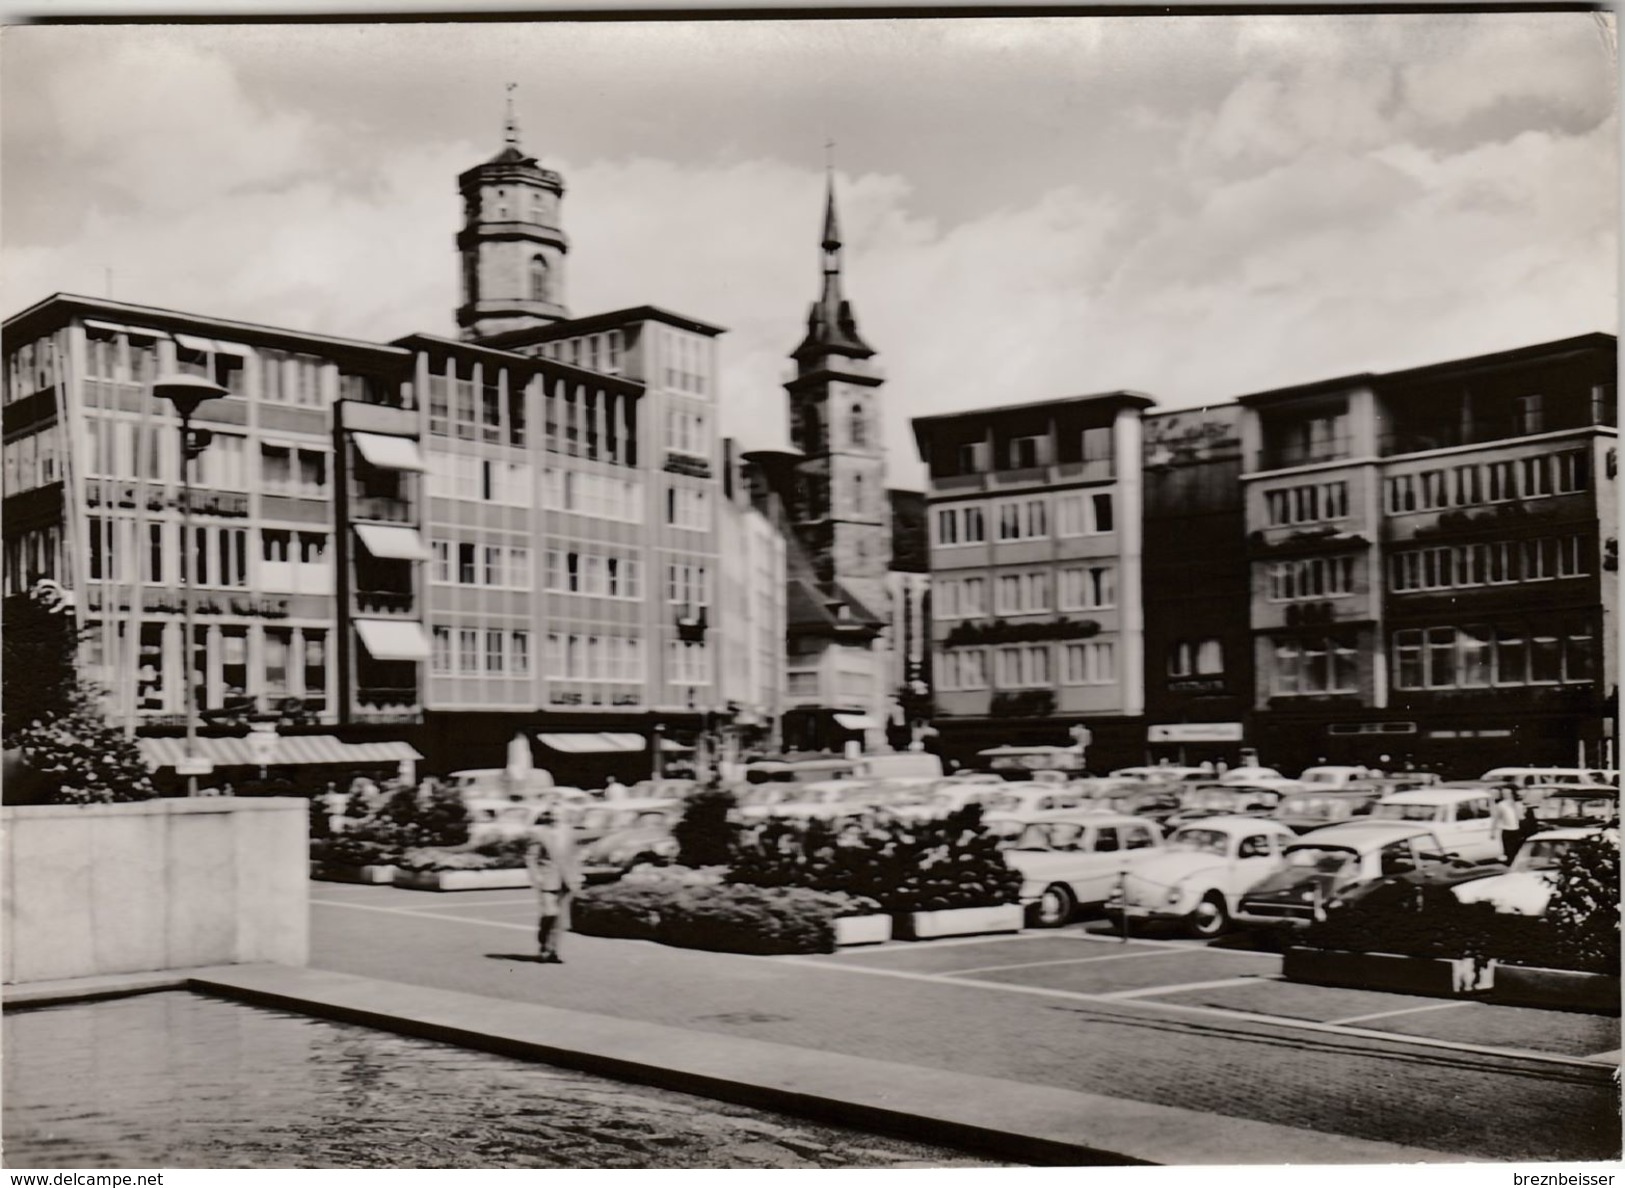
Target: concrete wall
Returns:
[161, 884]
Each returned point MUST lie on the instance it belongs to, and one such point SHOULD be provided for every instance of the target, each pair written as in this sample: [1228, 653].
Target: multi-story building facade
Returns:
[1198, 650]
[1433, 561]
[750, 611]
[441, 540]
[1036, 571]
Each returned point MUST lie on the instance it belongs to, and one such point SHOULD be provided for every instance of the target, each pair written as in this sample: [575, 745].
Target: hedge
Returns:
[719, 918]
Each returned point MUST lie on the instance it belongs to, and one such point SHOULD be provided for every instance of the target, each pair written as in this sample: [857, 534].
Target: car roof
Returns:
[1570, 833]
[1237, 824]
[1436, 795]
[1355, 834]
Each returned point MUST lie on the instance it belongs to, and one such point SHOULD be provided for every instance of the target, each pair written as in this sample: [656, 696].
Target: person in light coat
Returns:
[555, 873]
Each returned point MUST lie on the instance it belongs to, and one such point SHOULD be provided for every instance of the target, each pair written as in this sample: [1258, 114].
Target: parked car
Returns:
[1463, 819]
[948, 798]
[1163, 772]
[661, 789]
[1154, 802]
[647, 840]
[1254, 775]
[1303, 811]
[1027, 799]
[1223, 800]
[1525, 888]
[1333, 777]
[1326, 864]
[1072, 864]
[1198, 879]
[1522, 777]
[593, 821]
[1577, 806]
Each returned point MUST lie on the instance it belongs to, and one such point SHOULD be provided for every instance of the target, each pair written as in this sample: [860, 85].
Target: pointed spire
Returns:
[831, 326]
[511, 125]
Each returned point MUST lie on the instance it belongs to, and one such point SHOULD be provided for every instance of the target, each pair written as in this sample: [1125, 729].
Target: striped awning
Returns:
[593, 744]
[289, 750]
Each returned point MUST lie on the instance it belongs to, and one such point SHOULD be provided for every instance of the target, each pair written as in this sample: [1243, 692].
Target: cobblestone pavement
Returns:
[179, 1080]
[916, 1005]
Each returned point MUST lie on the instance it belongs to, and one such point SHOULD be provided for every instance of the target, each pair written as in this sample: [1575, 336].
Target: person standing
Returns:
[555, 874]
[1506, 820]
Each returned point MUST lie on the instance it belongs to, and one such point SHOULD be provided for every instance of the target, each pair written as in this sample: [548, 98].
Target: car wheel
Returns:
[1055, 906]
[1211, 916]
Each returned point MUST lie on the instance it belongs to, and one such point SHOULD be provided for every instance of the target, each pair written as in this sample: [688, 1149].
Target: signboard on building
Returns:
[1193, 732]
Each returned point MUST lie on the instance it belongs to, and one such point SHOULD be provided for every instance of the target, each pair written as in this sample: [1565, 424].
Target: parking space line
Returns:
[1153, 991]
[1061, 961]
[490, 903]
[1184, 1008]
[369, 907]
[1432, 1006]
[1186, 946]
[946, 943]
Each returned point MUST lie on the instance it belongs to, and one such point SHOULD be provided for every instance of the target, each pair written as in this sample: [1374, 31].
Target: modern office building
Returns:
[1434, 556]
[1198, 649]
[750, 613]
[435, 539]
[1036, 574]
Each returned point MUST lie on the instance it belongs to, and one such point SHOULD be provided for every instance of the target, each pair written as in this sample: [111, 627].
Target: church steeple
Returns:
[512, 247]
[832, 329]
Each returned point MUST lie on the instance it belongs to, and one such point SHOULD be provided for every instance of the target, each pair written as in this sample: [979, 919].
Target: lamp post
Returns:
[186, 392]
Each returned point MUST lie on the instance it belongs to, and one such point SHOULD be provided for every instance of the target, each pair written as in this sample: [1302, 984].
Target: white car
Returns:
[1463, 819]
[1069, 864]
[1261, 776]
[1198, 879]
[1026, 799]
[1526, 887]
[1325, 779]
[1168, 772]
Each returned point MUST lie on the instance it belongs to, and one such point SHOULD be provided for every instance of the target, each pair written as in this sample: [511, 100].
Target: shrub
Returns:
[351, 849]
[903, 866]
[704, 833]
[79, 759]
[725, 918]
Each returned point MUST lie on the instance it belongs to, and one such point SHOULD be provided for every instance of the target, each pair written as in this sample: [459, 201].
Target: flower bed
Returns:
[1443, 977]
[965, 921]
[461, 880]
[337, 872]
[721, 918]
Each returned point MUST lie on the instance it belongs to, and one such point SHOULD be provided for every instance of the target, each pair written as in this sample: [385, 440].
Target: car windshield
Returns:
[1321, 777]
[1321, 859]
[1542, 854]
[1209, 841]
[1579, 806]
[1211, 798]
[1005, 829]
[1406, 812]
[1308, 806]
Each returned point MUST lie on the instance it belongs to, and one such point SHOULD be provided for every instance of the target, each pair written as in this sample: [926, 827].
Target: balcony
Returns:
[382, 703]
[1416, 439]
[387, 602]
[1281, 455]
[381, 508]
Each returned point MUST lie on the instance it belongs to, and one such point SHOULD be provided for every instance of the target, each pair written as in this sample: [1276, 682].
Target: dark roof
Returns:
[808, 610]
[832, 328]
[1580, 343]
[1123, 398]
[570, 327]
[909, 550]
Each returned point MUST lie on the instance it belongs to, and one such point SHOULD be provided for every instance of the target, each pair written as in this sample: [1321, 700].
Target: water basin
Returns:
[179, 1080]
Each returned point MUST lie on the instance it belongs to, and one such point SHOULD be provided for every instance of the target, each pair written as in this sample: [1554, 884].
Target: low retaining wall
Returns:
[158, 884]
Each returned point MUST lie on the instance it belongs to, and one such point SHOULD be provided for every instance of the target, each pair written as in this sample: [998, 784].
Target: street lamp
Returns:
[186, 392]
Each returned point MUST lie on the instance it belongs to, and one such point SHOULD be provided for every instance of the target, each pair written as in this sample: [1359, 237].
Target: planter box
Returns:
[332, 872]
[1556, 989]
[862, 930]
[1441, 977]
[461, 880]
[1004, 917]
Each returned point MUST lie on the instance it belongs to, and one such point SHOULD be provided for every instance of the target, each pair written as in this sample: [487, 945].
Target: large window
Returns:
[1489, 563]
[1093, 663]
[1313, 665]
[1092, 587]
[1195, 657]
[960, 526]
[963, 668]
[1023, 519]
[1025, 667]
[1542, 652]
[1310, 503]
[1022, 593]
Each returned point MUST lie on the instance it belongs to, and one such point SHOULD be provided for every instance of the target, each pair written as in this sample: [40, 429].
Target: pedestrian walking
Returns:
[554, 873]
[1506, 819]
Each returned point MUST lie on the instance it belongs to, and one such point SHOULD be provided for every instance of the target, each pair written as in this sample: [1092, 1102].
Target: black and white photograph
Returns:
[822, 590]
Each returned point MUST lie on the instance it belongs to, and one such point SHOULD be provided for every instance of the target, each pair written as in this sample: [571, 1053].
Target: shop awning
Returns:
[393, 639]
[394, 544]
[856, 721]
[593, 744]
[389, 453]
[290, 750]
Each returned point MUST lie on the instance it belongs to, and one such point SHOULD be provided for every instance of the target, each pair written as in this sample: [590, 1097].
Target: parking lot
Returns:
[1227, 979]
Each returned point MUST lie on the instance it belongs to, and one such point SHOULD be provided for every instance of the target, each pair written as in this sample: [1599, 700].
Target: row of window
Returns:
[131, 450]
[596, 495]
[475, 410]
[31, 556]
[34, 460]
[472, 652]
[686, 433]
[1088, 587]
[1312, 577]
[1494, 563]
[596, 352]
[219, 556]
[293, 663]
[617, 658]
[1024, 453]
[1545, 652]
[607, 575]
[583, 422]
[1025, 519]
[1307, 503]
[686, 361]
[1028, 666]
[497, 567]
[1308, 666]
[465, 476]
[1562, 473]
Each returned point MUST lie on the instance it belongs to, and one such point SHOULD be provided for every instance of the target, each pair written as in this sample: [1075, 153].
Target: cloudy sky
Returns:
[1193, 207]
